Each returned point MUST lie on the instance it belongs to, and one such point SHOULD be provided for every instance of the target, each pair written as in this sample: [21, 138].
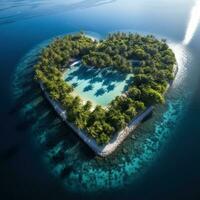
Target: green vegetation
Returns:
[150, 60]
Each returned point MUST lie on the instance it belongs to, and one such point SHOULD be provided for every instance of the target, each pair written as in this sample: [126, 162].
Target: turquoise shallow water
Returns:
[160, 160]
[99, 86]
[72, 161]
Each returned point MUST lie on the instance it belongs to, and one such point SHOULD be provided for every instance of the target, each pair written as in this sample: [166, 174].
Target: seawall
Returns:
[119, 137]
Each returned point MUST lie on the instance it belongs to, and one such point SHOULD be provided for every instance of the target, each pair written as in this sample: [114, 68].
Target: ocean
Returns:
[159, 161]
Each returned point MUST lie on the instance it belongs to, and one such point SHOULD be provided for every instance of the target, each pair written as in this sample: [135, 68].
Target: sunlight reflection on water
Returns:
[182, 57]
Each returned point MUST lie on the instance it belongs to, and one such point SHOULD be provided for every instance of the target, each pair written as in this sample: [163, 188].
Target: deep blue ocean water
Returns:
[160, 161]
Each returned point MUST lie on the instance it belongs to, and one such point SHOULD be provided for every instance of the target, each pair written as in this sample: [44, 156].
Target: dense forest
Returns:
[149, 59]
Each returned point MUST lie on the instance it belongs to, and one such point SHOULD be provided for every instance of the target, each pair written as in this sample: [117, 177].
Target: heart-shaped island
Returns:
[104, 89]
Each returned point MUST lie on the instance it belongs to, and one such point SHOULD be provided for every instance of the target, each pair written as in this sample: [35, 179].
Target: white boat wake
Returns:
[192, 23]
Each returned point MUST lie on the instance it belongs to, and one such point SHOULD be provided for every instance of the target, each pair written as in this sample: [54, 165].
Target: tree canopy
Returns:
[150, 60]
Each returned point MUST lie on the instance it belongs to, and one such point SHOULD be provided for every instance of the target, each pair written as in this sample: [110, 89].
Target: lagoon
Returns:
[100, 86]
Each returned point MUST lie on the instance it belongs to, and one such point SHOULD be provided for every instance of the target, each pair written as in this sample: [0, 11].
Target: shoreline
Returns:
[118, 138]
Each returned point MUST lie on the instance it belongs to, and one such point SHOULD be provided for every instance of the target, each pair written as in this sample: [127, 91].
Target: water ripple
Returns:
[17, 10]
